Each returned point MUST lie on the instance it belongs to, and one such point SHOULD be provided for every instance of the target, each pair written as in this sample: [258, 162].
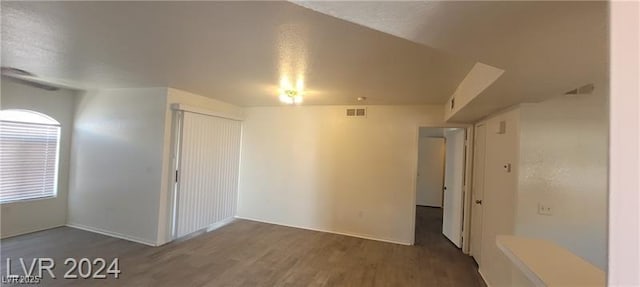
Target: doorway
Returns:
[440, 183]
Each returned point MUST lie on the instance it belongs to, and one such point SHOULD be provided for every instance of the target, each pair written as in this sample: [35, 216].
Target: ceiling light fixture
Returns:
[290, 97]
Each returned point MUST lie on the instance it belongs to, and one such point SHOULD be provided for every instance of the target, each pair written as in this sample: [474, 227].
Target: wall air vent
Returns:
[584, 90]
[357, 112]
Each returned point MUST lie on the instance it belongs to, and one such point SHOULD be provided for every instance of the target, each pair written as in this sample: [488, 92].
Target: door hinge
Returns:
[177, 175]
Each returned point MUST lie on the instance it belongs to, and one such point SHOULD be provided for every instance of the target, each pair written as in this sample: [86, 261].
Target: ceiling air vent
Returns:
[357, 112]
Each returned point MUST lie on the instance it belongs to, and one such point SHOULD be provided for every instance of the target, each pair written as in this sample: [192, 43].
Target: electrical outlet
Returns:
[544, 209]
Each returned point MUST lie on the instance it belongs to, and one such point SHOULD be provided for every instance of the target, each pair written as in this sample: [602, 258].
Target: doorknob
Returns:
[478, 201]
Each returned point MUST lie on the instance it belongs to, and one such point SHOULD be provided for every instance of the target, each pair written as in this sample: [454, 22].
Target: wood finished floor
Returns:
[247, 253]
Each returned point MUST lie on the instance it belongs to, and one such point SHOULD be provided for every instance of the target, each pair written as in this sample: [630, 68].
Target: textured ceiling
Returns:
[391, 52]
[233, 51]
[545, 47]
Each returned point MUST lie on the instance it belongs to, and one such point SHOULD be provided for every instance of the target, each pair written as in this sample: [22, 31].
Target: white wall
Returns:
[121, 160]
[563, 164]
[33, 215]
[430, 168]
[312, 167]
[175, 96]
[117, 162]
[431, 132]
[624, 145]
[558, 152]
[430, 180]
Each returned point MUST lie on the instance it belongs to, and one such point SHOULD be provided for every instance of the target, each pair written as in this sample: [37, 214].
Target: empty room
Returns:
[318, 143]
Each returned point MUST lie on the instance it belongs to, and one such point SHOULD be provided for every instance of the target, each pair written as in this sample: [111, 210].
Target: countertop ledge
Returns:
[547, 264]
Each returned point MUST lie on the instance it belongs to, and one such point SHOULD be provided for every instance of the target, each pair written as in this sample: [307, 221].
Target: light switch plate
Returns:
[544, 209]
[502, 127]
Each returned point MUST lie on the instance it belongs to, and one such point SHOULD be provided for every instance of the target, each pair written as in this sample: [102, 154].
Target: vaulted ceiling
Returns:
[545, 47]
[390, 52]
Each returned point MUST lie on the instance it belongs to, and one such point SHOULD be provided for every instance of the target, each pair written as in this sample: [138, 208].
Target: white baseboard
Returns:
[25, 232]
[484, 278]
[220, 223]
[329, 231]
[112, 234]
[202, 231]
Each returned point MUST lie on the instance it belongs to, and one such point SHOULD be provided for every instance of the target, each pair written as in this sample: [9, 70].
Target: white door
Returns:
[207, 181]
[477, 191]
[430, 172]
[453, 182]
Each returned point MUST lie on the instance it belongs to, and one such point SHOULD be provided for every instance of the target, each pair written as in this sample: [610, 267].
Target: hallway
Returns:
[433, 244]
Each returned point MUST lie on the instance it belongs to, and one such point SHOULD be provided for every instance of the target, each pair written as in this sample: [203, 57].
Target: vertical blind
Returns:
[209, 163]
[28, 160]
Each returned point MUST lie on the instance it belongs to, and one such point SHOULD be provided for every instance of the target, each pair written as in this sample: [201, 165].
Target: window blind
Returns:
[28, 160]
[209, 164]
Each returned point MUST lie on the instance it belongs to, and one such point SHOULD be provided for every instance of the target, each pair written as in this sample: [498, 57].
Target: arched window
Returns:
[29, 148]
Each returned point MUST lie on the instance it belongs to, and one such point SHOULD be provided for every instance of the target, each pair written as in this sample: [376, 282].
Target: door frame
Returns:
[466, 189]
[176, 151]
[472, 191]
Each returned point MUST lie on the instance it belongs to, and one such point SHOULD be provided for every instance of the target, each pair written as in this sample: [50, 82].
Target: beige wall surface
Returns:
[315, 168]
